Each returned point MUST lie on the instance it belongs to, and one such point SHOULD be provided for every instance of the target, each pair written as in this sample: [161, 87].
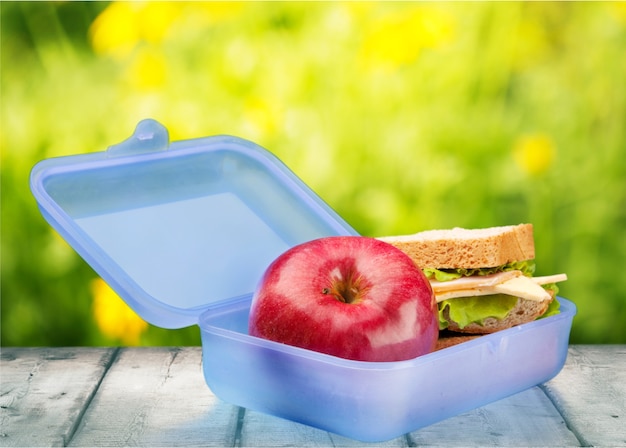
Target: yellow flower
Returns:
[618, 10]
[123, 25]
[155, 20]
[260, 118]
[148, 70]
[214, 12]
[398, 38]
[115, 32]
[534, 154]
[114, 318]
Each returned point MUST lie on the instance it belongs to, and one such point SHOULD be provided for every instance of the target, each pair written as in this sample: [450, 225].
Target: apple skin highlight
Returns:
[348, 296]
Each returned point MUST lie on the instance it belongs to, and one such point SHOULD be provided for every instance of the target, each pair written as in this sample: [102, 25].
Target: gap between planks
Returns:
[94, 392]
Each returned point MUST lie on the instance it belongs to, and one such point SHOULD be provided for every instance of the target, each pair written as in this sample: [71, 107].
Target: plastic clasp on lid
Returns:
[149, 135]
[175, 227]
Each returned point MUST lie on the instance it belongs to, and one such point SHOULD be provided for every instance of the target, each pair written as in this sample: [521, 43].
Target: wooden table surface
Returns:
[158, 397]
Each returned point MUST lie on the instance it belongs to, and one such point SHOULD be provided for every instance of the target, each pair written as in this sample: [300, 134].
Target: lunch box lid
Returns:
[177, 227]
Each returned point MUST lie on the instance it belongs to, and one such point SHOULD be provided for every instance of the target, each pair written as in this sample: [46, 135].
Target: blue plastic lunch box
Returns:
[183, 231]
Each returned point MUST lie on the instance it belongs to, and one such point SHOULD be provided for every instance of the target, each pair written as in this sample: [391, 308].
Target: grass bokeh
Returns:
[402, 116]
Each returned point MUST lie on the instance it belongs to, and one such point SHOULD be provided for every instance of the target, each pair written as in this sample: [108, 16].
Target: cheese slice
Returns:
[549, 279]
[512, 283]
[522, 287]
[441, 296]
[472, 282]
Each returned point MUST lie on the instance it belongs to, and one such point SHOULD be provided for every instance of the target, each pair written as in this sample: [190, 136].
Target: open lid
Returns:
[173, 228]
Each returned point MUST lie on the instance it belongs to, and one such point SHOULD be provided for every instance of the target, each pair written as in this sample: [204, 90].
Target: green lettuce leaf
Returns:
[443, 275]
[467, 310]
[555, 306]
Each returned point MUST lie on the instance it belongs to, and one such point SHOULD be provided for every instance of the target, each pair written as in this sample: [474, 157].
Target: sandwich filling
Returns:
[468, 296]
[479, 300]
[526, 267]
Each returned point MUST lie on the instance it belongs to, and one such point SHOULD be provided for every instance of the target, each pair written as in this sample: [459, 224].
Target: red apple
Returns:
[349, 296]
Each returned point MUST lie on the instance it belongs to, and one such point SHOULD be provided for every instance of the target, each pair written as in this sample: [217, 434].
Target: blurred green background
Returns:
[402, 116]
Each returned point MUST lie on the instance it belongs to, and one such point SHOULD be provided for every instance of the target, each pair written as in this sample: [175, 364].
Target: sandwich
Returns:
[482, 278]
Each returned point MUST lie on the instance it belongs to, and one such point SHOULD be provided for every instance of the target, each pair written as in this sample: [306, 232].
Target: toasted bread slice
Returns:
[467, 248]
[447, 339]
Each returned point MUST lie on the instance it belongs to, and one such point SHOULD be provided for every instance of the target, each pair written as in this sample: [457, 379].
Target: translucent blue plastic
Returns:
[175, 227]
[371, 401]
[184, 231]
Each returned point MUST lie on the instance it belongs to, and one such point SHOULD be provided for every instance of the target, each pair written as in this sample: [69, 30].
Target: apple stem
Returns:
[344, 291]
